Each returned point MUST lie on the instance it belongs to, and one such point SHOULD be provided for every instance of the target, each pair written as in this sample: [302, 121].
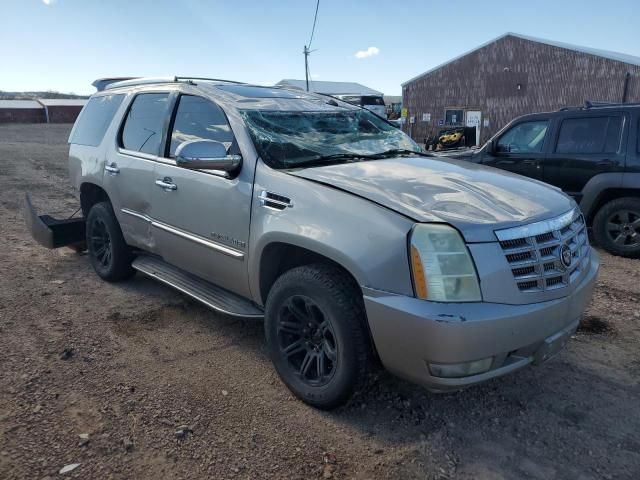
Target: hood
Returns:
[473, 198]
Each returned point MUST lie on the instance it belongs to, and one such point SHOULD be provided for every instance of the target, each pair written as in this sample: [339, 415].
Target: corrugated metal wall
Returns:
[487, 80]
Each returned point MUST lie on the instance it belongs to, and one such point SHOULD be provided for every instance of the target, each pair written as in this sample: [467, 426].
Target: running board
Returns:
[211, 295]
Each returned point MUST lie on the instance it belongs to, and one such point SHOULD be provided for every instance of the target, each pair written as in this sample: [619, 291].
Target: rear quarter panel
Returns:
[86, 163]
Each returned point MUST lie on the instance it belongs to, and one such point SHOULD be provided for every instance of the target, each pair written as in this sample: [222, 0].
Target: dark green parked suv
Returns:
[591, 153]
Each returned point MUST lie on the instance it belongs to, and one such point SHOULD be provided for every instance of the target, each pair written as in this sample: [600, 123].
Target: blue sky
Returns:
[65, 44]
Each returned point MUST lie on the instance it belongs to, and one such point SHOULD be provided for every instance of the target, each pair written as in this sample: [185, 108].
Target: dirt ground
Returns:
[130, 364]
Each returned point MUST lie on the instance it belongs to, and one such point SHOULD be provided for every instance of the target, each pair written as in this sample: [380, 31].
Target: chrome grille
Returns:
[534, 252]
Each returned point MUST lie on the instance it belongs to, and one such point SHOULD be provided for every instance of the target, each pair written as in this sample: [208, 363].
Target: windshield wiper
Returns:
[399, 151]
[333, 159]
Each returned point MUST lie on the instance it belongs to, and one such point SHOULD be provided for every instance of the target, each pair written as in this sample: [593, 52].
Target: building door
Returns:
[473, 119]
[520, 149]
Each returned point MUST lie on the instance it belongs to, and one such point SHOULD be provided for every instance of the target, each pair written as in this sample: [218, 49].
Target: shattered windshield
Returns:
[286, 139]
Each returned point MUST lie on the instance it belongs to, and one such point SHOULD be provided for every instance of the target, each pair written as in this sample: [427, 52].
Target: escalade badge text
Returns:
[221, 237]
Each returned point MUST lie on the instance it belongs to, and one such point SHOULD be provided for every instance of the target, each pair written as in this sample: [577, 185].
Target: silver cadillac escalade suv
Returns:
[333, 225]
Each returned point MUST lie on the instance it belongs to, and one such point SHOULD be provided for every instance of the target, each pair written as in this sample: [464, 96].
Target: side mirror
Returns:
[490, 147]
[206, 155]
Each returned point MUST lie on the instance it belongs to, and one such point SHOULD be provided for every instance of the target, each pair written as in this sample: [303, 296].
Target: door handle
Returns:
[530, 162]
[606, 163]
[112, 169]
[166, 184]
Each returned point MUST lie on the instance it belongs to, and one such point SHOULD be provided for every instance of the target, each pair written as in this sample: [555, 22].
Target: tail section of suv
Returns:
[333, 226]
[592, 153]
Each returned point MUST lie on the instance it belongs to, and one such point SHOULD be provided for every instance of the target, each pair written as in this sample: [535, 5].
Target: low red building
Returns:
[41, 110]
[21, 111]
[58, 110]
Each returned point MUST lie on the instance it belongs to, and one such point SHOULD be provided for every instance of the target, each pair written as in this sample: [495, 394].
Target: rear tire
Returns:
[616, 227]
[110, 255]
[316, 334]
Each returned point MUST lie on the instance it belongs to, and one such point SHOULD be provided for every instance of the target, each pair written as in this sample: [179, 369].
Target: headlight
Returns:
[441, 265]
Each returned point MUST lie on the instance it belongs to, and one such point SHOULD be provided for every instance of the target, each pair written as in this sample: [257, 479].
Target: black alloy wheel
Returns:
[110, 256]
[315, 325]
[100, 242]
[623, 228]
[306, 338]
[616, 227]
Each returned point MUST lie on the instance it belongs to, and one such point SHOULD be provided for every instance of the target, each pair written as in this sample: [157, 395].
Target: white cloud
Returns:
[369, 52]
[315, 75]
[49, 2]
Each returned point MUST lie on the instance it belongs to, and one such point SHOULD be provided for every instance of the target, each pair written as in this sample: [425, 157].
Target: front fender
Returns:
[367, 240]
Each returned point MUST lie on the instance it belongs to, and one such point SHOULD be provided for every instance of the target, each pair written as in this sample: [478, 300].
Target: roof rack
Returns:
[133, 81]
[589, 104]
[206, 79]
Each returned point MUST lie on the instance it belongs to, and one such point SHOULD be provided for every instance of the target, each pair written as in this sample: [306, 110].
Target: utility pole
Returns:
[306, 65]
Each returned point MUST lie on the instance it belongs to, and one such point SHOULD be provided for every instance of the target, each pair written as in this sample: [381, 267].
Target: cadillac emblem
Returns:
[565, 256]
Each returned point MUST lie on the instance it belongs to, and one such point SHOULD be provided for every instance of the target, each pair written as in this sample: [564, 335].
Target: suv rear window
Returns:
[372, 100]
[590, 135]
[142, 131]
[95, 119]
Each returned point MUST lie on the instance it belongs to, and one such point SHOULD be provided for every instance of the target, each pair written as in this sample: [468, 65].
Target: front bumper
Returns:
[410, 333]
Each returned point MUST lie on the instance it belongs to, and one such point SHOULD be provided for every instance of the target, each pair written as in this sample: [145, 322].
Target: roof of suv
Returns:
[588, 107]
[240, 95]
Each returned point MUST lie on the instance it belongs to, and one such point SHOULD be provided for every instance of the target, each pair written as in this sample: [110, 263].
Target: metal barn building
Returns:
[513, 75]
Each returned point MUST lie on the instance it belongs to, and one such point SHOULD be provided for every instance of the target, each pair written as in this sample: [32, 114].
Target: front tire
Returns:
[616, 227]
[110, 255]
[316, 334]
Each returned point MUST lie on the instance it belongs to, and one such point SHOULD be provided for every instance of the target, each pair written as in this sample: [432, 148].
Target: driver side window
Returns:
[199, 119]
[526, 137]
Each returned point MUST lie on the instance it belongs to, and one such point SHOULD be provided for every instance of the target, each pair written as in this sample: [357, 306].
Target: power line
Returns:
[315, 19]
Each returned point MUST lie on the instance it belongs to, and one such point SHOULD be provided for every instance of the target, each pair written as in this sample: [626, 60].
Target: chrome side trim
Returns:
[232, 252]
[135, 214]
[135, 154]
[538, 228]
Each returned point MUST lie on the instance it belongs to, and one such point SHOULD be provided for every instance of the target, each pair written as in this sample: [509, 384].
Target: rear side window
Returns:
[614, 135]
[95, 119]
[590, 135]
[142, 131]
[199, 119]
